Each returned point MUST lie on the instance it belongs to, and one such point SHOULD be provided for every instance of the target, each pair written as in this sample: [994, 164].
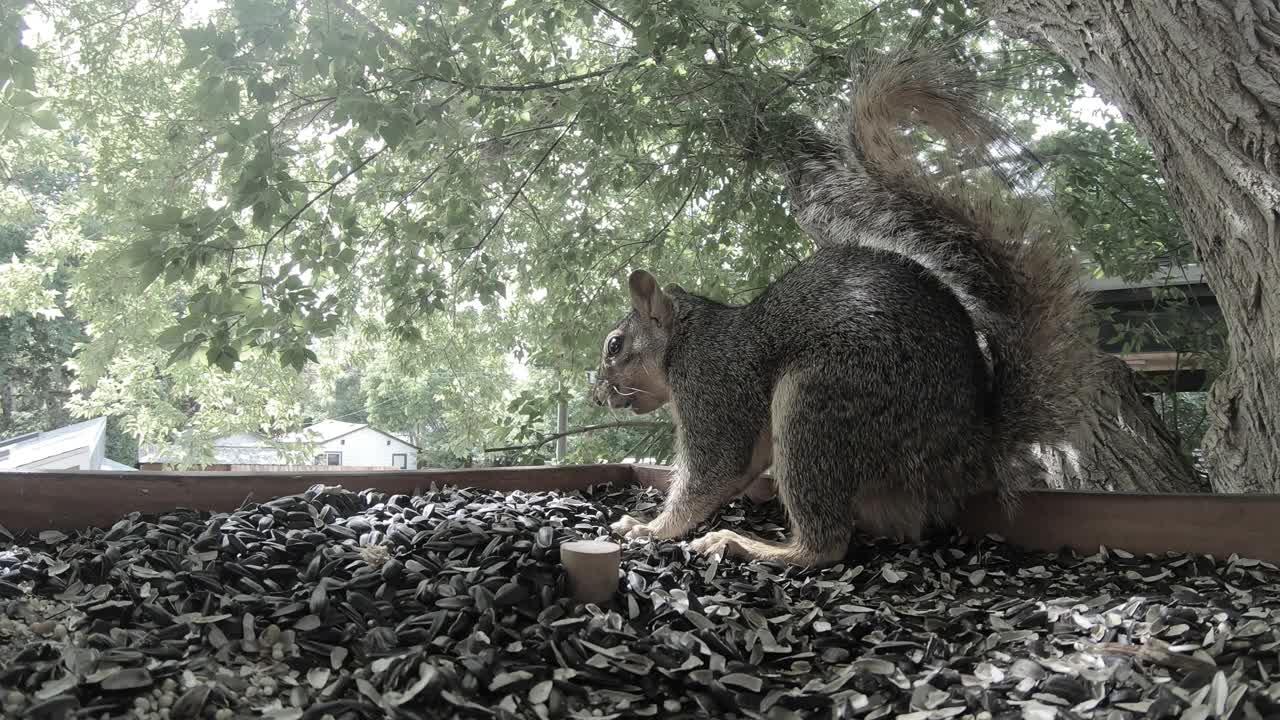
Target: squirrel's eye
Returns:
[615, 345]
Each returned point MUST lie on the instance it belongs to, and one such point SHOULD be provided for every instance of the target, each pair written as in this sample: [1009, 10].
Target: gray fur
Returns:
[860, 375]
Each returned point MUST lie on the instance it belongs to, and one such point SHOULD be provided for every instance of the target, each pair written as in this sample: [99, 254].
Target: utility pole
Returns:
[562, 425]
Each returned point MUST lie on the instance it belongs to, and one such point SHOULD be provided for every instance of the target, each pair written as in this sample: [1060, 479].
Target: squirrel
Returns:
[920, 356]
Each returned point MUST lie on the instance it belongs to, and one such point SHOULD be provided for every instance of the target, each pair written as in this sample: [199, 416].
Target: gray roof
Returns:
[1168, 276]
[112, 465]
[255, 449]
[18, 452]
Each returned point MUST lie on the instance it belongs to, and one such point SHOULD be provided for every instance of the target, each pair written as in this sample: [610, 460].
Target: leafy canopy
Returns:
[410, 195]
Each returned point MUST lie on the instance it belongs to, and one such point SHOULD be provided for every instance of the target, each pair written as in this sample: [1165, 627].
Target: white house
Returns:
[337, 445]
[81, 446]
[342, 443]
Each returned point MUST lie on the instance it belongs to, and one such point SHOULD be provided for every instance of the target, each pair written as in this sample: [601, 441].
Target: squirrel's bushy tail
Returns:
[1022, 290]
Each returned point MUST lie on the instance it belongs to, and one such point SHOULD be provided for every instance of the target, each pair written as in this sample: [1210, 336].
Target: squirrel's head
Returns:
[631, 373]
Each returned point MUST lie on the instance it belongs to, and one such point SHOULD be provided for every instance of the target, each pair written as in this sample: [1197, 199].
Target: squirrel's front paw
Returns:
[631, 528]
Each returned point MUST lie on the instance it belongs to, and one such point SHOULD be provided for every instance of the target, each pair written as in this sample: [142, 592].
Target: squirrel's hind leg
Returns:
[699, 487]
[811, 466]
[819, 536]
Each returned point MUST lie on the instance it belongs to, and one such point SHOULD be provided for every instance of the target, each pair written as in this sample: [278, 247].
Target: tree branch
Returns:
[266, 246]
[693, 187]
[527, 87]
[520, 189]
[523, 131]
[334, 186]
[547, 439]
[612, 15]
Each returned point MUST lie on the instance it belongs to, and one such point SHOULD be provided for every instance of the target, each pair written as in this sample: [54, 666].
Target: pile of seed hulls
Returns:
[334, 604]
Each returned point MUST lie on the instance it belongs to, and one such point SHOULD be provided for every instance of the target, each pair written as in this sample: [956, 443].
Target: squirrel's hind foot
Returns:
[727, 543]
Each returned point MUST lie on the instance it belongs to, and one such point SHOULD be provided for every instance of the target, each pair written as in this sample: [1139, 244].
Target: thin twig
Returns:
[671, 219]
[312, 201]
[546, 439]
[527, 87]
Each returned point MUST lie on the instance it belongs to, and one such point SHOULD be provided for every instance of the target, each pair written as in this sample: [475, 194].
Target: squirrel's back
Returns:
[841, 299]
[852, 298]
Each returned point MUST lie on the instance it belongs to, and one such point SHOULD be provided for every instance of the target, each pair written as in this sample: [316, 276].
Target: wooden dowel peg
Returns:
[592, 566]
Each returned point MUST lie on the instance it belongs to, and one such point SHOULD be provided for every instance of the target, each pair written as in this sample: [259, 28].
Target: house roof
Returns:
[242, 440]
[329, 430]
[112, 465]
[233, 446]
[22, 450]
[1168, 276]
[241, 447]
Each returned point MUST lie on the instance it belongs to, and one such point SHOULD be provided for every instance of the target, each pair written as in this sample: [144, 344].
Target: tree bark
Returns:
[1122, 444]
[1201, 81]
[6, 403]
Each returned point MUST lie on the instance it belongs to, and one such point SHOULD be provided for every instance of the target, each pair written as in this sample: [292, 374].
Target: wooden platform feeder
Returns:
[1217, 525]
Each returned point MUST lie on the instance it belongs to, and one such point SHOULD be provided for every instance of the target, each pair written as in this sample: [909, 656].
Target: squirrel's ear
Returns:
[647, 299]
[643, 286]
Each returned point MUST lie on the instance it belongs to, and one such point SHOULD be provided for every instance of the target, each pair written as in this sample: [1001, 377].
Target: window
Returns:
[329, 458]
[342, 442]
[388, 443]
[400, 460]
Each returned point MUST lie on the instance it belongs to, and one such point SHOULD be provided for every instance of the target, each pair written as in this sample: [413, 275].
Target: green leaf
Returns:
[171, 337]
[150, 271]
[293, 357]
[23, 99]
[166, 219]
[45, 119]
[395, 130]
[185, 352]
[264, 93]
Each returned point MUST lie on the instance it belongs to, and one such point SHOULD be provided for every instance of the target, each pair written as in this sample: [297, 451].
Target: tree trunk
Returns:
[6, 404]
[1122, 444]
[562, 426]
[1201, 81]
